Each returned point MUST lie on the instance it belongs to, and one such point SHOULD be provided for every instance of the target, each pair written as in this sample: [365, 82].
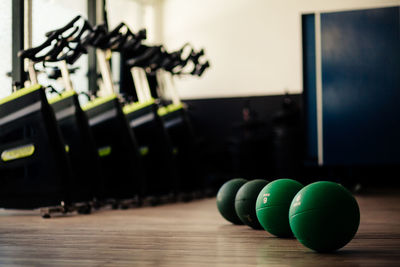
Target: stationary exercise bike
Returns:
[156, 61]
[142, 114]
[37, 166]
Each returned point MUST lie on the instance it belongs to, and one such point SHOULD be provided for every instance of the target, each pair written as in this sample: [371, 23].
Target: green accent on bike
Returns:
[104, 151]
[162, 111]
[144, 151]
[21, 92]
[136, 106]
[61, 96]
[98, 101]
[18, 152]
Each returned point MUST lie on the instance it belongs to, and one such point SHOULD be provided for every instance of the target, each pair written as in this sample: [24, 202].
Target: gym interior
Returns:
[199, 133]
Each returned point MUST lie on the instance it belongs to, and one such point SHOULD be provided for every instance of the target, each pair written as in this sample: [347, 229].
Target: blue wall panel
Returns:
[309, 82]
[361, 86]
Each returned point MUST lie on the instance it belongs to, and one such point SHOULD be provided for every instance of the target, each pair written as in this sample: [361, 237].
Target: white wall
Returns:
[5, 48]
[128, 11]
[49, 15]
[137, 14]
[254, 45]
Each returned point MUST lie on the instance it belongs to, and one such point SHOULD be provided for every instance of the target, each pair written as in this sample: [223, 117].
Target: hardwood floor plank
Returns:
[186, 234]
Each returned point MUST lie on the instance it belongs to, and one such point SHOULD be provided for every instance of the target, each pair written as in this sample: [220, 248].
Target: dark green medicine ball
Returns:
[273, 203]
[245, 202]
[226, 199]
[324, 216]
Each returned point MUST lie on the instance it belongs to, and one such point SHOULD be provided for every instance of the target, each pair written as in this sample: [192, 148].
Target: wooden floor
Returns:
[186, 234]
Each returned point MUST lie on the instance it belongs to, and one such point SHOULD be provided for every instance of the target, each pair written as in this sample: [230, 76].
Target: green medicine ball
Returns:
[226, 199]
[245, 202]
[272, 206]
[324, 216]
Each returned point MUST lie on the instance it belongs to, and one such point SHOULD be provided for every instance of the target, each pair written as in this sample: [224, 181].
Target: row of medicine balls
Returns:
[323, 216]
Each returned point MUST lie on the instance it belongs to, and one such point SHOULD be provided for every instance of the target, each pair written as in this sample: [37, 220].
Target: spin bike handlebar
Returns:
[61, 43]
[63, 29]
[145, 58]
[106, 39]
[51, 55]
[200, 70]
[134, 43]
